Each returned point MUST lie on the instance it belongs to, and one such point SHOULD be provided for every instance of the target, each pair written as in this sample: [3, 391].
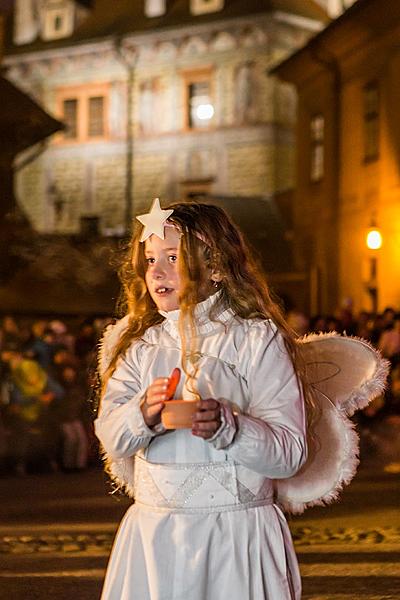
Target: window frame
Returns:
[82, 94]
[190, 77]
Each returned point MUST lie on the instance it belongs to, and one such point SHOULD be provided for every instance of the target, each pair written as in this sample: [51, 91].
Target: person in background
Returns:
[39, 344]
[28, 398]
[72, 414]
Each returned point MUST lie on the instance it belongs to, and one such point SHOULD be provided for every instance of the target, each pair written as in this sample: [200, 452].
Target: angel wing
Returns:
[346, 373]
[109, 341]
[121, 471]
[348, 370]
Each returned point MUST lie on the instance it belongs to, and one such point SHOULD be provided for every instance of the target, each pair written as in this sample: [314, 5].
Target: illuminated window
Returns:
[199, 109]
[84, 111]
[371, 121]
[317, 126]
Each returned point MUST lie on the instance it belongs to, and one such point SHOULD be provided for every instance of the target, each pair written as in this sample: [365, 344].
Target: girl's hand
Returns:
[208, 418]
[155, 398]
[161, 390]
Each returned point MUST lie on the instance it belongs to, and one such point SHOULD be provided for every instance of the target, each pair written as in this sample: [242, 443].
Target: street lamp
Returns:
[373, 241]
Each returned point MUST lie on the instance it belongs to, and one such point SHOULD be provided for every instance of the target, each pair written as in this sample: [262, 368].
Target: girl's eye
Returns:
[173, 258]
[150, 260]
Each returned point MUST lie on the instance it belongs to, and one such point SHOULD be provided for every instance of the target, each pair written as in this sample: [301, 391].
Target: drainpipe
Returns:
[128, 58]
[330, 63]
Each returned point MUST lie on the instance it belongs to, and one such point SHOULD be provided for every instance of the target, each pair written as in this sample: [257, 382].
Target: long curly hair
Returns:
[208, 239]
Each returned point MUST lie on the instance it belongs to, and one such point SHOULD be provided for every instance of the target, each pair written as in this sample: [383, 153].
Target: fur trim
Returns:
[121, 472]
[373, 387]
[298, 493]
[312, 337]
[108, 343]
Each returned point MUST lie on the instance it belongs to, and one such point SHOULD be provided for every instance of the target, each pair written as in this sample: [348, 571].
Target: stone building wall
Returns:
[248, 150]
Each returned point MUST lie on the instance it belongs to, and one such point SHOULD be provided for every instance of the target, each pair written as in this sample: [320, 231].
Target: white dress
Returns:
[204, 525]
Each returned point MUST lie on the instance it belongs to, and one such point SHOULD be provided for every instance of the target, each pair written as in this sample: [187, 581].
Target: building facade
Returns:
[168, 99]
[348, 160]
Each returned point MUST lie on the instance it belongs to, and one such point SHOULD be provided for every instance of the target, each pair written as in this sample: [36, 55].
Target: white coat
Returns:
[204, 525]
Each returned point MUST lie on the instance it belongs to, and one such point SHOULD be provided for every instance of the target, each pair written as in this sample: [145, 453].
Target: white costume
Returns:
[204, 525]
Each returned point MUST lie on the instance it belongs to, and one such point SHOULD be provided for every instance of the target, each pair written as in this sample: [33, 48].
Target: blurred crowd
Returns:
[48, 373]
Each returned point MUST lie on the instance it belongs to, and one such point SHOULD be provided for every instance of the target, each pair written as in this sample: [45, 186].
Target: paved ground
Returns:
[56, 532]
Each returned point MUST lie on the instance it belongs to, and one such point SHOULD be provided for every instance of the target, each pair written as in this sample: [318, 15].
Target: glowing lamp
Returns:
[204, 112]
[374, 239]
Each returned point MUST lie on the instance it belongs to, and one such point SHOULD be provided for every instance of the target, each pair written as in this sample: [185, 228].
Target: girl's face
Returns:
[162, 276]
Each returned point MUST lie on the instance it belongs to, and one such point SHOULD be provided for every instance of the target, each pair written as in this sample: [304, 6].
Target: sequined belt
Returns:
[197, 487]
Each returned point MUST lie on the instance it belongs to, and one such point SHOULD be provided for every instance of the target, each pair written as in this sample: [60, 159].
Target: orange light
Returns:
[374, 239]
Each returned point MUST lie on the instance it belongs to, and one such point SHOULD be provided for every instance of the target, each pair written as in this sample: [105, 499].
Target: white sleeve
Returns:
[271, 438]
[120, 426]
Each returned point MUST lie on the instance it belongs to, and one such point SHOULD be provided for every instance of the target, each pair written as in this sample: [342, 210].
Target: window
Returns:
[57, 19]
[199, 104]
[201, 109]
[317, 126]
[70, 113]
[96, 116]
[371, 121]
[83, 110]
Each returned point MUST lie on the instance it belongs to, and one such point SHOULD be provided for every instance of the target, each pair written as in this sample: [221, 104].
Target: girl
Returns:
[204, 525]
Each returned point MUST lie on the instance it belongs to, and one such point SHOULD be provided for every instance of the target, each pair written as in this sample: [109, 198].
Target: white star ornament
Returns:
[154, 221]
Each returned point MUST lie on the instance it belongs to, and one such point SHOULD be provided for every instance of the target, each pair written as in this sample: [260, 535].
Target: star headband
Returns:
[155, 222]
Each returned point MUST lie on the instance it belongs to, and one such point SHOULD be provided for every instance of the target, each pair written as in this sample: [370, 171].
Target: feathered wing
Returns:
[349, 370]
[120, 471]
[346, 373]
[108, 343]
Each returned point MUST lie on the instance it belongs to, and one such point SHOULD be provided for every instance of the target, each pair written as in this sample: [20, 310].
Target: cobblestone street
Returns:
[56, 533]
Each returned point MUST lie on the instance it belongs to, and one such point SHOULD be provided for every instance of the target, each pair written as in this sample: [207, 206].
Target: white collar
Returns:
[201, 316]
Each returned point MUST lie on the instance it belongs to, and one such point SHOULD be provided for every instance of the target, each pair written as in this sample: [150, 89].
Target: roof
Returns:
[126, 17]
[22, 121]
[364, 20]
